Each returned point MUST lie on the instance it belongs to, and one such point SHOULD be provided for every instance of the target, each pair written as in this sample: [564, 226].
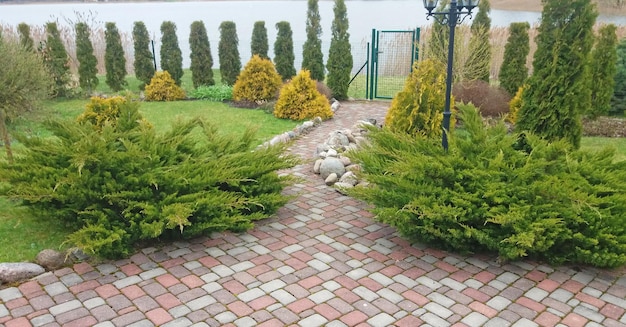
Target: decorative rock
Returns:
[346, 161]
[349, 178]
[331, 179]
[50, 259]
[323, 154]
[317, 121]
[349, 135]
[308, 125]
[13, 272]
[322, 148]
[331, 153]
[337, 140]
[343, 187]
[316, 166]
[331, 165]
[353, 168]
[335, 105]
[79, 256]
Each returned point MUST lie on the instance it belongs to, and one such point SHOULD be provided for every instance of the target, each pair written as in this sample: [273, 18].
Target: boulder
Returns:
[331, 165]
[50, 259]
[16, 271]
[338, 140]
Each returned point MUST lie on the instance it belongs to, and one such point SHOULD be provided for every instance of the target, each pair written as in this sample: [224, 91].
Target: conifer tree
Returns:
[87, 62]
[283, 51]
[144, 60]
[558, 91]
[201, 59]
[230, 61]
[339, 56]
[312, 57]
[480, 52]
[56, 60]
[259, 45]
[114, 60]
[514, 72]
[171, 56]
[603, 68]
[25, 39]
[618, 102]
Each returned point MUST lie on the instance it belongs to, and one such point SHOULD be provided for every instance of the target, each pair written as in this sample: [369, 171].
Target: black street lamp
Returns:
[454, 15]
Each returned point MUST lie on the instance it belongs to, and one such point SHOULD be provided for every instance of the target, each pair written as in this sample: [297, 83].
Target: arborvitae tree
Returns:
[283, 51]
[25, 39]
[312, 57]
[87, 61]
[603, 68]
[144, 60]
[339, 56]
[171, 56]
[57, 60]
[618, 102]
[558, 91]
[259, 45]
[437, 45]
[514, 72]
[481, 27]
[201, 59]
[114, 60]
[230, 62]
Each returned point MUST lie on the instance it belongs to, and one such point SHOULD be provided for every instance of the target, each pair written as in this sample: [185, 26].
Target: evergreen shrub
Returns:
[514, 105]
[101, 111]
[258, 82]
[417, 109]
[128, 183]
[162, 87]
[299, 100]
[516, 195]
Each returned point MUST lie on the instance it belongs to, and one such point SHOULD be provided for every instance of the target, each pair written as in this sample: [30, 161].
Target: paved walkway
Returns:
[321, 261]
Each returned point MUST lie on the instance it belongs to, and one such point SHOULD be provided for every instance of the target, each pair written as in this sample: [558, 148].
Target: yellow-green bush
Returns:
[417, 109]
[258, 82]
[100, 111]
[299, 99]
[514, 105]
[162, 87]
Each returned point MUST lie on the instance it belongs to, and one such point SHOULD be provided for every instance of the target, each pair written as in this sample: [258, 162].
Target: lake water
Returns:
[363, 16]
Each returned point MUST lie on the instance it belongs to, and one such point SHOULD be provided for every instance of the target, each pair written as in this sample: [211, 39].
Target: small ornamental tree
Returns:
[283, 51]
[114, 60]
[228, 52]
[171, 56]
[258, 82]
[144, 60]
[25, 39]
[417, 109]
[201, 59]
[558, 91]
[340, 62]
[618, 102]
[514, 72]
[56, 59]
[259, 45]
[24, 81]
[299, 99]
[162, 87]
[312, 57]
[481, 27]
[603, 68]
[87, 61]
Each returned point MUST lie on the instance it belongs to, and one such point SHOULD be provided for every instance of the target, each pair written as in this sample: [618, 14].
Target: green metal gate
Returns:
[391, 60]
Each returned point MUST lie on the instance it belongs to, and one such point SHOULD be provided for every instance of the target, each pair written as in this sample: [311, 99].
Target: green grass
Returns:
[597, 143]
[22, 236]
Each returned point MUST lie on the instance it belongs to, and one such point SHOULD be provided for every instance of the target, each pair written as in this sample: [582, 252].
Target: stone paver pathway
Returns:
[321, 261]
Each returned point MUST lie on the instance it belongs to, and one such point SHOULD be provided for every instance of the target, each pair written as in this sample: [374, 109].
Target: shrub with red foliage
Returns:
[492, 101]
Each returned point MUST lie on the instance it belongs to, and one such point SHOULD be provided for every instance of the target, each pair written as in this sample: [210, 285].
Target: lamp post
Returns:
[454, 15]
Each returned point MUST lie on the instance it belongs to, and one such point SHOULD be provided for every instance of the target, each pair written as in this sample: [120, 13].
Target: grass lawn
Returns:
[22, 236]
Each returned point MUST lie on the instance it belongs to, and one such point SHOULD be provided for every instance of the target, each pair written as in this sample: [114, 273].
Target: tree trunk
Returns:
[5, 136]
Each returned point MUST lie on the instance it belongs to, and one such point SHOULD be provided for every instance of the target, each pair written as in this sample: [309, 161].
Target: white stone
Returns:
[316, 166]
[331, 179]
[343, 187]
[331, 153]
[346, 161]
[349, 178]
